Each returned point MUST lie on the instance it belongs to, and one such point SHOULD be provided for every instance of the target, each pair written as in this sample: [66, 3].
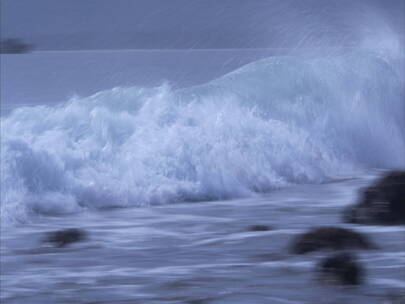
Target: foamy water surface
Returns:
[199, 253]
[167, 179]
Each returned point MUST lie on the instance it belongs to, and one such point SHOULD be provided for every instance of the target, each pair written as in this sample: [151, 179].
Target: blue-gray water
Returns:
[199, 253]
[52, 77]
[168, 170]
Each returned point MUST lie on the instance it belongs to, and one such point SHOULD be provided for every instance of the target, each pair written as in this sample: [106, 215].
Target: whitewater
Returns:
[275, 122]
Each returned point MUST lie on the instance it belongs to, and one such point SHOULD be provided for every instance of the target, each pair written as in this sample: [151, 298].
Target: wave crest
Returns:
[271, 123]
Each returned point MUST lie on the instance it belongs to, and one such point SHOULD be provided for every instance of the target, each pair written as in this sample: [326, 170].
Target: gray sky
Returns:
[106, 24]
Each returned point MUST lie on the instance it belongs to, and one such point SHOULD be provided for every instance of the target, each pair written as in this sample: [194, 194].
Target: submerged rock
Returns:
[341, 268]
[260, 228]
[61, 238]
[381, 203]
[333, 238]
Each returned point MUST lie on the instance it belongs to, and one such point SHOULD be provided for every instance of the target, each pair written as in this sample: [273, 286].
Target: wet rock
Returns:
[332, 238]
[342, 269]
[381, 203]
[61, 238]
[260, 228]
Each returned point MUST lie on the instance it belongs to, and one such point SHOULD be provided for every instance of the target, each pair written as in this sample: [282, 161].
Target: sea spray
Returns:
[272, 123]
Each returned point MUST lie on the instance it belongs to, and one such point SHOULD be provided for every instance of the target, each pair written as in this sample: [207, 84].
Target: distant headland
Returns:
[14, 46]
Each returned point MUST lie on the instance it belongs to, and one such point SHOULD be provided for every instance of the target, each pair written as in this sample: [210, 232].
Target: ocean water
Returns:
[51, 77]
[200, 252]
[167, 173]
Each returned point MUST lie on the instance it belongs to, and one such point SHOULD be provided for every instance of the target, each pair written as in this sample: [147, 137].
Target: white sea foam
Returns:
[271, 123]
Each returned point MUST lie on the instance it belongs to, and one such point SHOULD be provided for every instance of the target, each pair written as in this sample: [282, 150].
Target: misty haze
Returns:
[202, 151]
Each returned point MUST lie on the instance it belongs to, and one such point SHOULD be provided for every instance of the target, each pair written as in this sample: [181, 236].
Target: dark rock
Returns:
[260, 228]
[381, 203]
[61, 238]
[341, 268]
[333, 238]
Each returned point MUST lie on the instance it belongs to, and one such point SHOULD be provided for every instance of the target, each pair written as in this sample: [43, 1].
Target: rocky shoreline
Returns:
[383, 203]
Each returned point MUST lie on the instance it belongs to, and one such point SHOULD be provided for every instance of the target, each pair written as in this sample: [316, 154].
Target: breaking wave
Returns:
[272, 123]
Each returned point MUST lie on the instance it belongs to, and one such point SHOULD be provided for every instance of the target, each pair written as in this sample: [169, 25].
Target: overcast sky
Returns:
[84, 24]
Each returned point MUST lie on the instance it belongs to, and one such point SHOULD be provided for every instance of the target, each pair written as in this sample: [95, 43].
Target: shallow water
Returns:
[199, 253]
